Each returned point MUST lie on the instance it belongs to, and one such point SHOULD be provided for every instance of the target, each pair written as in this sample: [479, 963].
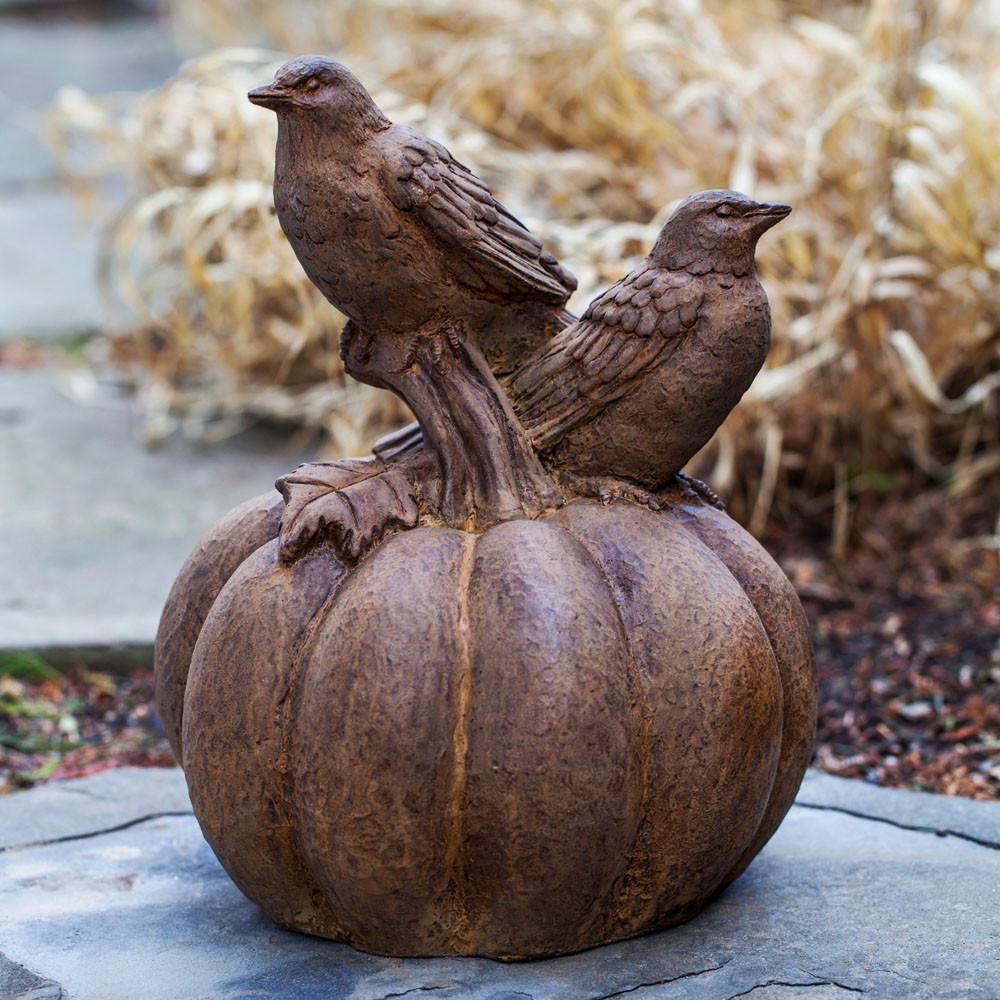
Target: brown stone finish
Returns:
[447, 292]
[444, 288]
[373, 758]
[787, 629]
[556, 733]
[641, 382]
[554, 752]
[238, 728]
[700, 650]
[214, 560]
[513, 686]
[646, 376]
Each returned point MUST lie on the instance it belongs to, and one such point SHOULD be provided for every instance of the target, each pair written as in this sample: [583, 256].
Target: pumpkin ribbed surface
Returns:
[553, 734]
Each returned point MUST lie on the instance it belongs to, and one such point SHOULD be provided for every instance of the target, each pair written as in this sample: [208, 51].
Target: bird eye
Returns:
[312, 83]
[725, 210]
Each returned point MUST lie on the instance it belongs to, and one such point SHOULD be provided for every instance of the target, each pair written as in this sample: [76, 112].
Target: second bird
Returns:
[655, 364]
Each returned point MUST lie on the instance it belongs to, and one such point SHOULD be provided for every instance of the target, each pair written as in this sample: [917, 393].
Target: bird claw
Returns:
[428, 346]
[608, 490]
[701, 490]
[410, 353]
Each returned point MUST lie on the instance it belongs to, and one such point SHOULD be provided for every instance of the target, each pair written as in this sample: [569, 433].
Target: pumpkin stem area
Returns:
[487, 469]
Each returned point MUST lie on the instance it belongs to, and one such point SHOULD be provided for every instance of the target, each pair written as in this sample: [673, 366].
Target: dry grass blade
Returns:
[879, 122]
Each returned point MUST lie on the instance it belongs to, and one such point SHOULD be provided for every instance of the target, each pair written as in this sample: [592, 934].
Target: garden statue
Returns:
[513, 685]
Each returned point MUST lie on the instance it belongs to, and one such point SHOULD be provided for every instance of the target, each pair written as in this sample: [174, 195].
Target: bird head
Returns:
[321, 90]
[716, 231]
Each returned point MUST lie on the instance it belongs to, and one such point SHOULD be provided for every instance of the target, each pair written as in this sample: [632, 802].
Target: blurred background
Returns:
[162, 356]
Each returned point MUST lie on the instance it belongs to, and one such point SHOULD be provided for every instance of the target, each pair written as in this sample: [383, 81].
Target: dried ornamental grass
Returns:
[879, 122]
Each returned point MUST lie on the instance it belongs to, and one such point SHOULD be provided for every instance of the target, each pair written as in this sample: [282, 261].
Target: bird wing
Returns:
[498, 253]
[629, 330]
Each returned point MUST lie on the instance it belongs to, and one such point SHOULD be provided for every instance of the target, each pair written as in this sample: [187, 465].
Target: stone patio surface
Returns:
[48, 252]
[95, 525]
[109, 892]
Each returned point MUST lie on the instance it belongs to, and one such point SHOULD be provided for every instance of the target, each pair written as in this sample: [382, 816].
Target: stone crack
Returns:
[96, 833]
[660, 982]
[415, 989]
[991, 845]
[781, 982]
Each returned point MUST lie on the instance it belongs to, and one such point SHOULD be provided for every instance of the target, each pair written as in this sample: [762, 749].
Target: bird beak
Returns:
[270, 96]
[767, 214]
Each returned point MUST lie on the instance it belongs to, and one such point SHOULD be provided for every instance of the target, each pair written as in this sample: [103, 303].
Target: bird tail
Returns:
[398, 443]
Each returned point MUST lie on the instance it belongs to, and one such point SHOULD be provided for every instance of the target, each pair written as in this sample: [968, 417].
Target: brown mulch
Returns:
[55, 726]
[906, 626]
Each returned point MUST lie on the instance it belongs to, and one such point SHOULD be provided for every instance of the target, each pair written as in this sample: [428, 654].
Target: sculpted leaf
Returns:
[351, 503]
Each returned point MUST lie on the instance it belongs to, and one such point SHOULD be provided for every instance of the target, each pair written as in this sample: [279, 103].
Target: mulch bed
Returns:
[55, 726]
[906, 626]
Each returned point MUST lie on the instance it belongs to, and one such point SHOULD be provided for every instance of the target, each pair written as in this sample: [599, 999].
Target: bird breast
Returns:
[689, 397]
[735, 327]
[354, 244]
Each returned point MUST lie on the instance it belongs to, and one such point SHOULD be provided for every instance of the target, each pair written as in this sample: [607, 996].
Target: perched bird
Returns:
[393, 230]
[443, 287]
[637, 386]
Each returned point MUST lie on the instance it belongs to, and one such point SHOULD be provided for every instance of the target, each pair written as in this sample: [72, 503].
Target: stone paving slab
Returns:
[48, 262]
[94, 525]
[48, 255]
[837, 904]
[74, 810]
[40, 54]
[923, 812]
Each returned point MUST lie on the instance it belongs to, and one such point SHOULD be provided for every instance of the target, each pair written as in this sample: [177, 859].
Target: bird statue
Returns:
[441, 284]
[455, 306]
[640, 383]
[655, 364]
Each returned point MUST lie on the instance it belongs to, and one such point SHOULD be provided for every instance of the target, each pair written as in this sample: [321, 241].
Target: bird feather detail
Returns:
[499, 253]
[628, 331]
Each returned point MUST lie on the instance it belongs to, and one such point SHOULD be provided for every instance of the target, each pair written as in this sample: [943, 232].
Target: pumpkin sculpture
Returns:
[525, 742]
[515, 686]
